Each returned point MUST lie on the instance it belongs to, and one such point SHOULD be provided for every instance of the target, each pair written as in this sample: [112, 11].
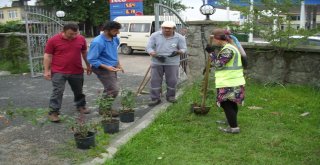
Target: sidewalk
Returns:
[23, 143]
[26, 144]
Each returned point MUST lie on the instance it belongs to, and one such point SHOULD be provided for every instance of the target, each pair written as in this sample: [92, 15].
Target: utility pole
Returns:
[302, 16]
[251, 20]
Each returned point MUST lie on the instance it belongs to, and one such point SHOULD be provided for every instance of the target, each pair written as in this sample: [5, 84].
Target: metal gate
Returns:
[40, 26]
[166, 13]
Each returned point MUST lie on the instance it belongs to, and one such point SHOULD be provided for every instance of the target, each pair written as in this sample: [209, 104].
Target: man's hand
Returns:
[111, 69]
[153, 54]
[88, 70]
[209, 48]
[119, 68]
[47, 75]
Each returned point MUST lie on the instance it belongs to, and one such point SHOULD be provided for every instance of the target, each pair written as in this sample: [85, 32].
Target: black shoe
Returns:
[154, 102]
[172, 100]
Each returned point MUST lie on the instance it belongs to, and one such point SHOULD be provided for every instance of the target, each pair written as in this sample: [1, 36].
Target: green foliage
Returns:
[84, 11]
[70, 152]
[104, 103]
[127, 100]
[7, 66]
[33, 116]
[12, 26]
[79, 125]
[95, 14]
[15, 52]
[268, 23]
[275, 134]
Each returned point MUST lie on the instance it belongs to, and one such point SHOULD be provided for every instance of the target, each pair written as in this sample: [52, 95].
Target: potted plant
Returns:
[128, 102]
[109, 124]
[84, 131]
[202, 109]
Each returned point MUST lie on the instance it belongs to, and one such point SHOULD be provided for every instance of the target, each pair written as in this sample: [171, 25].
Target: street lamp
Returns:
[207, 10]
[60, 14]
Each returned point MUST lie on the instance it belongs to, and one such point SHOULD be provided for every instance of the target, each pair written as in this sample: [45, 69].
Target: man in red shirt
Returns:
[62, 62]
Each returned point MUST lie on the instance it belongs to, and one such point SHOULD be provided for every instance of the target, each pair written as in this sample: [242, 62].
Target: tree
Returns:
[271, 20]
[90, 13]
[93, 13]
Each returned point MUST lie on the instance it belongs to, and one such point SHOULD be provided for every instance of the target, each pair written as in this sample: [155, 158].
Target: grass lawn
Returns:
[272, 131]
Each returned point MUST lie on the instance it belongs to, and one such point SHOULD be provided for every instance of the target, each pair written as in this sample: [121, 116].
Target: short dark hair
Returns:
[74, 27]
[109, 25]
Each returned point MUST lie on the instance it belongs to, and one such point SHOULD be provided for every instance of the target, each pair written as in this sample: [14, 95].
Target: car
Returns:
[311, 40]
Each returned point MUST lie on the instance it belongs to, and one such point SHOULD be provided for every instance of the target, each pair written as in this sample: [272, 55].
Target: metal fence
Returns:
[167, 13]
[40, 26]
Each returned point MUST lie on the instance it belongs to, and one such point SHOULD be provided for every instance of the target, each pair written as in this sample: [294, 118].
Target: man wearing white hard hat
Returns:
[165, 48]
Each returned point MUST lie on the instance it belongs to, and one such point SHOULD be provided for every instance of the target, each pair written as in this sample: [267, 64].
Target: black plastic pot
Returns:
[85, 142]
[127, 117]
[110, 127]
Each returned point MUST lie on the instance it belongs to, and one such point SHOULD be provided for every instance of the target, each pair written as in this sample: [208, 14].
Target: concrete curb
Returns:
[123, 137]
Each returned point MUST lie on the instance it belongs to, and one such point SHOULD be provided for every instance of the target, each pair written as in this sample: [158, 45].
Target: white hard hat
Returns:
[169, 24]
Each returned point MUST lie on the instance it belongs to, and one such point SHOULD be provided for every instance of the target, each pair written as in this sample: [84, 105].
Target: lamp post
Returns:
[207, 10]
[60, 14]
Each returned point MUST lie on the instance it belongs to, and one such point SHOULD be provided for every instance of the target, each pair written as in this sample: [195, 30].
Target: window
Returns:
[140, 27]
[294, 17]
[13, 14]
[1, 15]
[124, 27]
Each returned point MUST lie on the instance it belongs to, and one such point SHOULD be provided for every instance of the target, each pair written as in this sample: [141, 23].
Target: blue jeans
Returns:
[58, 82]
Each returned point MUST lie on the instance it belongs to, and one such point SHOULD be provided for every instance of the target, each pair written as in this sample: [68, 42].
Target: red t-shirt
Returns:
[66, 54]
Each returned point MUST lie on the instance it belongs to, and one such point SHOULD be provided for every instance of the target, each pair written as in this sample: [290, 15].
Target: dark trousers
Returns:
[108, 80]
[171, 73]
[231, 111]
[58, 82]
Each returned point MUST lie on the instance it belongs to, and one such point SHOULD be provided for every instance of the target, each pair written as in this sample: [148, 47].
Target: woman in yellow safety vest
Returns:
[229, 79]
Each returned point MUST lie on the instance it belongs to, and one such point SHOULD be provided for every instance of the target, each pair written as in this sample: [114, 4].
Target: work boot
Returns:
[235, 130]
[154, 102]
[83, 110]
[54, 116]
[171, 99]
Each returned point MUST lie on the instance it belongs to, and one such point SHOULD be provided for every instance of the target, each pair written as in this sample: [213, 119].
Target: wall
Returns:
[300, 65]
[6, 18]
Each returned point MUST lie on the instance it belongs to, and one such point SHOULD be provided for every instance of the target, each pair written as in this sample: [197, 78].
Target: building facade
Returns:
[11, 14]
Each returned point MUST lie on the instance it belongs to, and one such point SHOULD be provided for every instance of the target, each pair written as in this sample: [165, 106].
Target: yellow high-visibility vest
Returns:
[230, 75]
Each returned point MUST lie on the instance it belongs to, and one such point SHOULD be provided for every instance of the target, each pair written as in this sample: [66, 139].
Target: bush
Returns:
[14, 55]
[12, 26]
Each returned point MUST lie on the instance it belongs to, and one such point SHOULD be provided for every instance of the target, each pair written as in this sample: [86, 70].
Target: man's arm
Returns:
[84, 57]
[151, 46]
[182, 45]
[47, 58]
[92, 57]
